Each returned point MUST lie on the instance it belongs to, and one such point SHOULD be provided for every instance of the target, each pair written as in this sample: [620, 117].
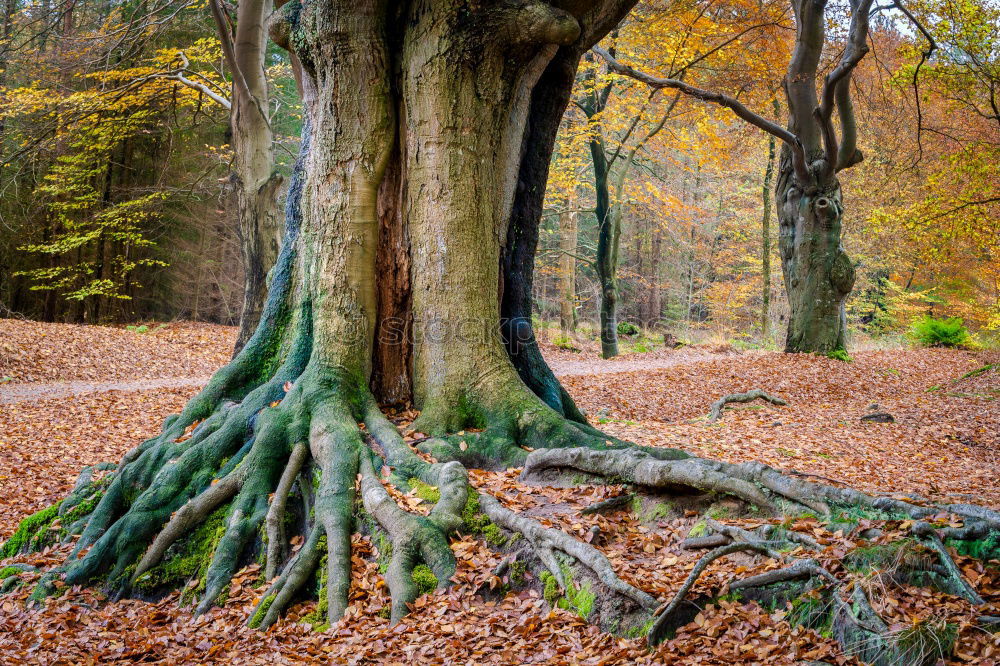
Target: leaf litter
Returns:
[943, 445]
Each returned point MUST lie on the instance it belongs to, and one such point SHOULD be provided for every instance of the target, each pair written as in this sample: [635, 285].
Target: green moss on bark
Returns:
[424, 579]
[424, 491]
[188, 559]
[258, 616]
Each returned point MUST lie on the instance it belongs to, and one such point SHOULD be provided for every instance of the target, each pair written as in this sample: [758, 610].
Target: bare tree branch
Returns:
[925, 55]
[836, 90]
[734, 105]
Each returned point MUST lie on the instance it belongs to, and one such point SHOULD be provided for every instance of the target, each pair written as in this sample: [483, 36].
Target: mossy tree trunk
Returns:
[818, 273]
[416, 137]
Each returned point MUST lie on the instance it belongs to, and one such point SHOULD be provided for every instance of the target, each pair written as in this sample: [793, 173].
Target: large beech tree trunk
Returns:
[416, 137]
[818, 273]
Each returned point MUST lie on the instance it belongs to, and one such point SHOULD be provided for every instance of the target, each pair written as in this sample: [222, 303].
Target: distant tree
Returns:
[818, 273]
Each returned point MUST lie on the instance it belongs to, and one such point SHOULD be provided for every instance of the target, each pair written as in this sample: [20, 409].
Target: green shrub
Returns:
[627, 328]
[931, 332]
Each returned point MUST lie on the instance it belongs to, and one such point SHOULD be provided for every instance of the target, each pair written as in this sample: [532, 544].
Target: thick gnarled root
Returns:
[500, 435]
[547, 541]
[859, 628]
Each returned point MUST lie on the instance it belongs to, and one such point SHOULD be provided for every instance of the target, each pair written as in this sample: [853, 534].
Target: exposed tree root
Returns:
[756, 394]
[288, 456]
[547, 540]
[857, 626]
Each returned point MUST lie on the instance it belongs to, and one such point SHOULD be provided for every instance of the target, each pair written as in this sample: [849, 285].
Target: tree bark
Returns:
[548, 103]
[567, 270]
[765, 245]
[607, 259]
[289, 436]
[253, 182]
[654, 301]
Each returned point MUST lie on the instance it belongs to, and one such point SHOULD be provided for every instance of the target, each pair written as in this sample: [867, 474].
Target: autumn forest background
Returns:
[116, 199]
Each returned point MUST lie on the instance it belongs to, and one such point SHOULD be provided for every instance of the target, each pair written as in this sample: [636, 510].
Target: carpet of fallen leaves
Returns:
[943, 444]
[37, 352]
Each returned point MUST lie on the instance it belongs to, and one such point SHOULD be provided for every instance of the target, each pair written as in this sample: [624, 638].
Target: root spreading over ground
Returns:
[281, 485]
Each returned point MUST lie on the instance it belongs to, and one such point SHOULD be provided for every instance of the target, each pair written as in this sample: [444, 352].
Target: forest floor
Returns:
[81, 395]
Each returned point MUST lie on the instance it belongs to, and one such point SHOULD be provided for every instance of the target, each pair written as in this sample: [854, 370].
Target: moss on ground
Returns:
[846, 517]
[578, 599]
[32, 532]
[890, 556]
[981, 549]
[814, 611]
[926, 642]
[516, 573]
[478, 523]
[640, 630]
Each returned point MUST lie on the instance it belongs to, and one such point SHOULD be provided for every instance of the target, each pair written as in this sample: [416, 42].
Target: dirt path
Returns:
[32, 391]
[636, 362]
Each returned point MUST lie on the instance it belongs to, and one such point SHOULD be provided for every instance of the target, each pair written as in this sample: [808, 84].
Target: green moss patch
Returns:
[477, 522]
[261, 611]
[925, 643]
[187, 559]
[32, 533]
[889, 557]
[424, 491]
[981, 549]
[424, 579]
[578, 599]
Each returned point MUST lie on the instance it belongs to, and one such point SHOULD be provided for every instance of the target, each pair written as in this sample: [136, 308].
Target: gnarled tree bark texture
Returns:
[431, 121]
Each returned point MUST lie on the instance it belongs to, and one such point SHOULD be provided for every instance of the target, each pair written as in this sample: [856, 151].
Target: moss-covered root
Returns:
[639, 467]
[295, 575]
[502, 436]
[415, 540]
[451, 479]
[753, 482]
[546, 541]
[275, 520]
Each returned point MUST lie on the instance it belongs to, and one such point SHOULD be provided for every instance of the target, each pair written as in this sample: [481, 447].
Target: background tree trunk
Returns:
[567, 269]
[765, 246]
[654, 301]
[253, 182]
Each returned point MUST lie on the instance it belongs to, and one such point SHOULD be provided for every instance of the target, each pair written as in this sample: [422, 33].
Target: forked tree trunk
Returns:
[818, 273]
